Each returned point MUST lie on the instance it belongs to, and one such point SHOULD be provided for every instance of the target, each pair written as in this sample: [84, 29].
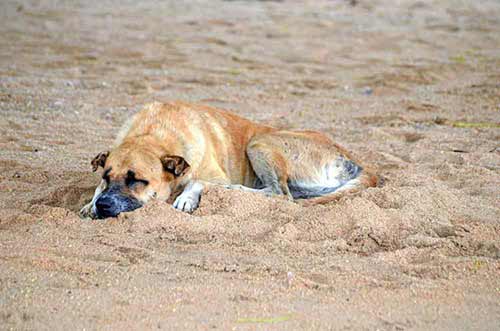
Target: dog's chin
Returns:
[104, 215]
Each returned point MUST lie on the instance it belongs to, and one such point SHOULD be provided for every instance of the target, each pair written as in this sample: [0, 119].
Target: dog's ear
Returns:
[174, 164]
[99, 160]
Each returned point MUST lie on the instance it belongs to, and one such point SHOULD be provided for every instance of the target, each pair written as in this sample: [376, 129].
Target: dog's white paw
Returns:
[186, 203]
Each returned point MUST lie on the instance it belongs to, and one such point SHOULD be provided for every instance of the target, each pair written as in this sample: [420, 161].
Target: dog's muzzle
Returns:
[112, 202]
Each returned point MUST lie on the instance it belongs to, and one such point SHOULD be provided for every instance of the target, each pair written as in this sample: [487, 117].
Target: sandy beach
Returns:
[410, 87]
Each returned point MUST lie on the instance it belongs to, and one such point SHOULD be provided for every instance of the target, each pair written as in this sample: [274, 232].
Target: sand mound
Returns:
[379, 219]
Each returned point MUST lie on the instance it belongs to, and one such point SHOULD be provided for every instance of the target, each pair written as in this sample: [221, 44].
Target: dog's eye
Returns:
[130, 180]
[134, 181]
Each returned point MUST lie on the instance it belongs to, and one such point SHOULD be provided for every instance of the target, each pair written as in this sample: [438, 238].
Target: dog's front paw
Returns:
[186, 203]
[86, 211]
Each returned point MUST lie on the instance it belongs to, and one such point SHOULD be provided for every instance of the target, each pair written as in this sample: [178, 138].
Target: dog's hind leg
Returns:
[306, 165]
[270, 166]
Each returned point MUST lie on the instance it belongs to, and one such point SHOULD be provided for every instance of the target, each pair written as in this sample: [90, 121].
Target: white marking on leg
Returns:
[330, 175]
[89, 209]
[189, 199]
[353, 183]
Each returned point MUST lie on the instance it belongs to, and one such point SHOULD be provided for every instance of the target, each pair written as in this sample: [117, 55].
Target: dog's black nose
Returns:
[106, 206]
[112, 202]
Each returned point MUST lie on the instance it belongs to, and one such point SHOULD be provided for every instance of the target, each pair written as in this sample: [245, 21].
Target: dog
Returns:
[171, 151]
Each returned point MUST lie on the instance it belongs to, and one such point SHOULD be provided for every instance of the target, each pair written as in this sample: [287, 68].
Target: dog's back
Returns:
[212, 141]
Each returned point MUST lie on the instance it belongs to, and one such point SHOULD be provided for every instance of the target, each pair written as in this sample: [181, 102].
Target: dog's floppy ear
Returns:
[174, 164]
[99, 160]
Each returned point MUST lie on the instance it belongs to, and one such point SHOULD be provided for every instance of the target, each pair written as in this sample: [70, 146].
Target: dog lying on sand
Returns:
[171, 151]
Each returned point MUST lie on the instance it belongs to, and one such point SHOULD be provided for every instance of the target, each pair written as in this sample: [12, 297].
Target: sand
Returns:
[411, 87]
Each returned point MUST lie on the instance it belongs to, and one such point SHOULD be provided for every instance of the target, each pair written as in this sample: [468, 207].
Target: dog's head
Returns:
[133, 176]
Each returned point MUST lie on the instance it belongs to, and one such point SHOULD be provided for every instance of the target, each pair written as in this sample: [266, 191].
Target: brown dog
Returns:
[174, 149]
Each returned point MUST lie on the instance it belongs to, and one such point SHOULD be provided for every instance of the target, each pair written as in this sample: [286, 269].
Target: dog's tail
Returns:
[364, 179]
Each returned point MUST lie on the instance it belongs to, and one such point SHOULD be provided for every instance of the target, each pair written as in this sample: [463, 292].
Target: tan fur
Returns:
[220, 148]
[212, 141]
